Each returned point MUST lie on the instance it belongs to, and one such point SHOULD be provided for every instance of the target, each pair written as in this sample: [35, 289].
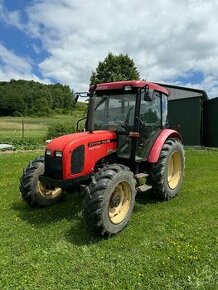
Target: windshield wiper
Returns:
[100, 102]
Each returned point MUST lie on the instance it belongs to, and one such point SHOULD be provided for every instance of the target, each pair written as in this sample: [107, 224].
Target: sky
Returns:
[170, 41]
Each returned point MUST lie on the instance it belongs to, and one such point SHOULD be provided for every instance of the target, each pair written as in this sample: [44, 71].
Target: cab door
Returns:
[153, 118]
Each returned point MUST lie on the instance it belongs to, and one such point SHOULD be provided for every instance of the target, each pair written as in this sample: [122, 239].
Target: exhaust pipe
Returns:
[90, 125]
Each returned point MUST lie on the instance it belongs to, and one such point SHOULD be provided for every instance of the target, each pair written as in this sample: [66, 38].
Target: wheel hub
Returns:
[47, 192]
[115, 200]
[119, 203]
[174, 170]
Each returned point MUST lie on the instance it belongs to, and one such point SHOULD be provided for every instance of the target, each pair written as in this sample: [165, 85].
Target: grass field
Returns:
[33, 126]
[166, 245]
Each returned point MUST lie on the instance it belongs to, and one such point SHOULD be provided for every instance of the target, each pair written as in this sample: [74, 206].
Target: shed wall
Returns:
[185, 115]
[211, 123]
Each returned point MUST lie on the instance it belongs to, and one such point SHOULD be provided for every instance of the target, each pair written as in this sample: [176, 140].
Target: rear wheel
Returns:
[109, 204]
[167, 174]
[34, 191]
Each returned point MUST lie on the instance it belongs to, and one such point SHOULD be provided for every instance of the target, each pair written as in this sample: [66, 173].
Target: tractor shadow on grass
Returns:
[80, 236]
[70, 209]
[146, 198]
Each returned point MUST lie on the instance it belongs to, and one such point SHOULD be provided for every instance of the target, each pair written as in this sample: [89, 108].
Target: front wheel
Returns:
[33, 191]
[109, 204]
[167, 174]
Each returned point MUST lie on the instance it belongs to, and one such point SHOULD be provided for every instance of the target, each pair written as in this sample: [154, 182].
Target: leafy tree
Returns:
[115, 68]
[41, 107]
[21, 97]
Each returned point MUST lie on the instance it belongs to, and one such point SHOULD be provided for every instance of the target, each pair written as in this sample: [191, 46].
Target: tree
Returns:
[115, 68]
[33, 98]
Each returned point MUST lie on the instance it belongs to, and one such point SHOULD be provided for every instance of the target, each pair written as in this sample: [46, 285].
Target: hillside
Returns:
[21, 97]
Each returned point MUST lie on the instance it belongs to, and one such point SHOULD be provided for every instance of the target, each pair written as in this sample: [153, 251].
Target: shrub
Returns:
[17, 114]
[59, 130]
[66, 111]
[27, 143]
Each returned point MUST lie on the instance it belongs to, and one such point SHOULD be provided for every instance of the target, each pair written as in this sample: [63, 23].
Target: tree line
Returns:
[21, 97]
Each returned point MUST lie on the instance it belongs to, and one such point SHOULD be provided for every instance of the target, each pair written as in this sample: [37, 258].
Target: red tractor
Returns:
[127, 147]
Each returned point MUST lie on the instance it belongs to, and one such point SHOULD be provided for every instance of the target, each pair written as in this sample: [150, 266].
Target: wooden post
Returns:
[22, 128]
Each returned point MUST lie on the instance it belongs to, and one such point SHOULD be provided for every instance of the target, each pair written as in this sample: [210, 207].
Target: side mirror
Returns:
[80, 95]
[76, 97]
[148, 95]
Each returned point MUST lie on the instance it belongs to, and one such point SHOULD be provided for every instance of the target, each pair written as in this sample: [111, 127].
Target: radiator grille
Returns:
[53, 167]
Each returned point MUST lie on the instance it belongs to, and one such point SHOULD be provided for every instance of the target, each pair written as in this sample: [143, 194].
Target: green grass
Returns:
[166, 245]
[34, 126]
[35, 129]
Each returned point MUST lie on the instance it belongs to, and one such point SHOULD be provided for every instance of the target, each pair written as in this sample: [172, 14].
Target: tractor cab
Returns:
[135, 110]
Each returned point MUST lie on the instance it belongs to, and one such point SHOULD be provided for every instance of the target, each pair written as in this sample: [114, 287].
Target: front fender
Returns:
[159, 142]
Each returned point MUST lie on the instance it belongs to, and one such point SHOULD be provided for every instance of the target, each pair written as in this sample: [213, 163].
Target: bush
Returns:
[66, 111]
[59, 130]
[17, 114]
[27, 143]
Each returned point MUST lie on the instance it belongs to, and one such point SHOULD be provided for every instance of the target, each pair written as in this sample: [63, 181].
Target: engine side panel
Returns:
[81, 151]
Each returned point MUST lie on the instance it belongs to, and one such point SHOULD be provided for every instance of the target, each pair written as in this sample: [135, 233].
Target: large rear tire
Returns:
[33, 191]
[110, 202]
[167, 174]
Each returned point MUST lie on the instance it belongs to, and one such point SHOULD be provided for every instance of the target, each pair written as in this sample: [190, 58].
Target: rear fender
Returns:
[159, 142]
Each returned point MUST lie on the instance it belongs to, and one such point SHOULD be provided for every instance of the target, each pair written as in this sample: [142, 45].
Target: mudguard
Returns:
[159, 142]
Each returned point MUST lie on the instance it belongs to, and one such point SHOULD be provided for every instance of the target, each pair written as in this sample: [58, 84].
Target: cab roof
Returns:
[134, 84]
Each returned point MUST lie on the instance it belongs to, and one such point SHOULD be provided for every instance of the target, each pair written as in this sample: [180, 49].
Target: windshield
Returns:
[114, 111]
[117, 111]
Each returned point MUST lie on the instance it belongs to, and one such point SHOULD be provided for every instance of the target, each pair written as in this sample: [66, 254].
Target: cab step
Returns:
[141, 182]
[143, 188]
[141, 175]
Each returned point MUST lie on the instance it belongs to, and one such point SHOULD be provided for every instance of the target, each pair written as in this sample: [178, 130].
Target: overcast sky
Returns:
[62, 41]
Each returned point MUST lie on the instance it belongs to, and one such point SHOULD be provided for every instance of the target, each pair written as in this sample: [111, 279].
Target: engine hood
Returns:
[86, 138]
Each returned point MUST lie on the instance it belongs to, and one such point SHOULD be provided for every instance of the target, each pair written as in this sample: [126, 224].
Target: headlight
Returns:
[58, 153]
[48, 152]
[127, 88]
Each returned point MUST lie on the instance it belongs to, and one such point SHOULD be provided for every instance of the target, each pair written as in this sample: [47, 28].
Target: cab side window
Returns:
[150, 112]
[164, 110]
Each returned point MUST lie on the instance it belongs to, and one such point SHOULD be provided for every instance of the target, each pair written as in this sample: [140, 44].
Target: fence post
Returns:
[22, 128]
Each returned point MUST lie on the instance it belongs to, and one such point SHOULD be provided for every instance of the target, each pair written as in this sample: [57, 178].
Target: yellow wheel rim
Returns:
[119, 203]
[47, 192]
[174, 169]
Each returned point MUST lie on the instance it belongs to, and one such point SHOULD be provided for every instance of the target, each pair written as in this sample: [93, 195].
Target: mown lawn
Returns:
[166, 245]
